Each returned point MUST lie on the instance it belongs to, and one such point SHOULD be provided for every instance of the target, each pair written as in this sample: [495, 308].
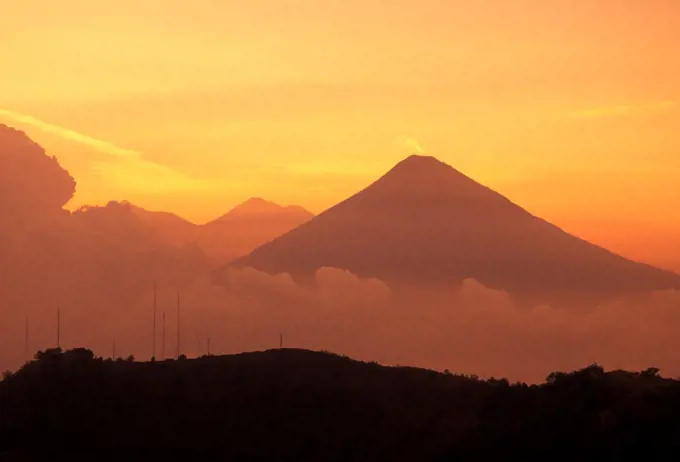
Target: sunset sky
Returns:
[569, 108]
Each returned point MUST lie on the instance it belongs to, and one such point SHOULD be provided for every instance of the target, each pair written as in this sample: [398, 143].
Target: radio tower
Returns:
[153, 350]
[163, 339]
[58, 327]
[26, 346]
[178, 326]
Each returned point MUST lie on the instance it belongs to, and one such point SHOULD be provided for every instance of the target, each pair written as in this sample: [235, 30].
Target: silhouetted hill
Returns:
[425, 223]
[301, 406]
[120, 250]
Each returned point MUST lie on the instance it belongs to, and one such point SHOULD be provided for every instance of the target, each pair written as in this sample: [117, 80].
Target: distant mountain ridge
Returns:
[262, 207]
[247, 226]
[425, 223]
[237, 232]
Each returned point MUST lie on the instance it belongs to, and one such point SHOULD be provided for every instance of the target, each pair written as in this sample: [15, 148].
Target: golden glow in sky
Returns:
[569, 108]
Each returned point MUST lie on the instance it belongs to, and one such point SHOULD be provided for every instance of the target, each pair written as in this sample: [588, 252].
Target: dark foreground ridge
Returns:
[310, 406]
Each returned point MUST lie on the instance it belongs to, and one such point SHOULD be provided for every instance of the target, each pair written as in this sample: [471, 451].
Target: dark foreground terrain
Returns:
[300, 405]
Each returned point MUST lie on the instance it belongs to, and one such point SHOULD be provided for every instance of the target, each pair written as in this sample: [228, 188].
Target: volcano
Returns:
[249, 225]
[425, 224]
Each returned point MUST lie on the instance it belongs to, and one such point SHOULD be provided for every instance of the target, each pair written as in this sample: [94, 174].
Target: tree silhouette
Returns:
[287, 404]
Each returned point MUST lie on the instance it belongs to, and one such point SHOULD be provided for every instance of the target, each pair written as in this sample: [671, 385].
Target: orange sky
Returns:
[569, 108]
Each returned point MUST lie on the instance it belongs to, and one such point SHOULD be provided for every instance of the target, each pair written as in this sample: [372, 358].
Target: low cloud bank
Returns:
[471, 329]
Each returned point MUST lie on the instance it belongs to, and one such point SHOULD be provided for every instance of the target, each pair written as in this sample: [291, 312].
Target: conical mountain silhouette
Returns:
[261, 209]
[247, 226]
[426, 224]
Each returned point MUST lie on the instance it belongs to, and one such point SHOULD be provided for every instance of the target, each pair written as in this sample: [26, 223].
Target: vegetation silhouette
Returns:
[288, 404]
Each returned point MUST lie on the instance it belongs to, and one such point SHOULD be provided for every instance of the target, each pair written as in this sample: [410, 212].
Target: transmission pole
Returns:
[178, 327]
[26, 345]
[153, 349]
[163, 339]
[58, 327]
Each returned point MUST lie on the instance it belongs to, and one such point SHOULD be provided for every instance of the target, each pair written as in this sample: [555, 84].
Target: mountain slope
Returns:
[425, 223]
[172, 228]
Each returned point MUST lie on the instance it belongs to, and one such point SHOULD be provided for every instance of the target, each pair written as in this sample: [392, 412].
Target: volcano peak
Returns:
[425, 223]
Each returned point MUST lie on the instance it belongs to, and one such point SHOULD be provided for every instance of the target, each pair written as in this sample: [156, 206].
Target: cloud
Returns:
[468, 329]
[127, 169]
[625, 110]
[142, 176]
[71, 135]
[411, 143]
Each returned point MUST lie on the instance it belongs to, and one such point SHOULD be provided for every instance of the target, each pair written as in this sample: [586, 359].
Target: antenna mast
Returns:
[26, 347]
[153, 350]
[163, 339]
[58, 327]
[178, 326]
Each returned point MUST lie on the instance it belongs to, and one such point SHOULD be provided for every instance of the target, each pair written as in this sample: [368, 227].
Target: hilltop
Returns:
[312, 406]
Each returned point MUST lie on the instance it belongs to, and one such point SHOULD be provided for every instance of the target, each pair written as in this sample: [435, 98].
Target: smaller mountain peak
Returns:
[258, 207]
[257, 204]
[256, 201]
[252, 206]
